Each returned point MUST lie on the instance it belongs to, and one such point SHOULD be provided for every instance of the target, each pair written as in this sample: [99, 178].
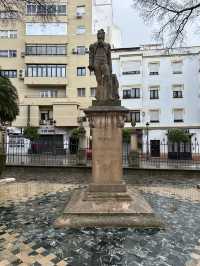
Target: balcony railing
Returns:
[49, 122]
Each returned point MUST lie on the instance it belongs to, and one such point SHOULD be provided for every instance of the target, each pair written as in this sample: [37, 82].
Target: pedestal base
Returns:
[102, 209]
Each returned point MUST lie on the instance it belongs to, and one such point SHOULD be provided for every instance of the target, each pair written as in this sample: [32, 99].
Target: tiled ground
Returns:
[14, 248]
[19, 251]
[27, 236]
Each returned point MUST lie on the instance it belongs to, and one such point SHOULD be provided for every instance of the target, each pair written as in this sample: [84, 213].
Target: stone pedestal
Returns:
[106, 124]
[107, 202]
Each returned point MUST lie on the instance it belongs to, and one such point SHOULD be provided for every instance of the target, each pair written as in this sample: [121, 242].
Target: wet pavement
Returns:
[28, 237]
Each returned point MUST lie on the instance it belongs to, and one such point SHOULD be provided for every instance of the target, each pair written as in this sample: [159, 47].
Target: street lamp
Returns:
[147, 129]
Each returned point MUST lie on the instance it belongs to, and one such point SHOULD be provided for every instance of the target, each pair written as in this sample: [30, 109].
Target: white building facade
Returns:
[161, 88]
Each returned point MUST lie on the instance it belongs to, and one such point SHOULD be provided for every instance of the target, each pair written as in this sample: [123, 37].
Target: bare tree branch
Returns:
[19, 6]
[173, 16]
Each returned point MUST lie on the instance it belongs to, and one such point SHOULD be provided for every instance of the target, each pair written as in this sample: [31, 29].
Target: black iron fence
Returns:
[163, 155]
[156, 155]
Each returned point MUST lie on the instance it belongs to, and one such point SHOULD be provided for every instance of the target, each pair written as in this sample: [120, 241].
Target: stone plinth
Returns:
[107, 202]
[108, 210]
[106, 124]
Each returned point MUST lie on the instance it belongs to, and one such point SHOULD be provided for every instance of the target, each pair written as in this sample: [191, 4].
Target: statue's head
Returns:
[101, 35]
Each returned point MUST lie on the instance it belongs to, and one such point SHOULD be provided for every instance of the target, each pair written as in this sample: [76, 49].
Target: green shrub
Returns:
[31, 133]
[126, 134]
[77, 132]
[2, 162]
[178, 135]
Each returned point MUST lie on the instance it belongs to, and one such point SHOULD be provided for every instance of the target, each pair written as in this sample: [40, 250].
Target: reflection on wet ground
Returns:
[27, 235]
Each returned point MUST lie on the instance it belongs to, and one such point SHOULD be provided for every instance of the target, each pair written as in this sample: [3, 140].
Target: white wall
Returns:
[102, 15]
[166, 79]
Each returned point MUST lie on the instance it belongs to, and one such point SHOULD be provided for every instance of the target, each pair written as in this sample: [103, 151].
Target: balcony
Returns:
[45, 59]
[49, 122]
[45, 81]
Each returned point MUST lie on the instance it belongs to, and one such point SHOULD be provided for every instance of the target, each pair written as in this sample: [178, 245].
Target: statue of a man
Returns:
[100, 62]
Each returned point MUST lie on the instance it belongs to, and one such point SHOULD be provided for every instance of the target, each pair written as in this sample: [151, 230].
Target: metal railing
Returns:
[164, 155]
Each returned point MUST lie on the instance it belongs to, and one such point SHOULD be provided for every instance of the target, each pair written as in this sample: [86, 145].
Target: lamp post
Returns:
[147, 130]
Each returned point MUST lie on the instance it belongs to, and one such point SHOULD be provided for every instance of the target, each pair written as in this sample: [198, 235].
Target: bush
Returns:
[31, 133]
[178, 135]
[126, 134]
[78, 132]
[2, 162]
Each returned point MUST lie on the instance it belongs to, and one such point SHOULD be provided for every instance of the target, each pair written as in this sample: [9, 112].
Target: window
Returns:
[80, 11]
[48, 94]
[133, 93]
[178, 115]
[46, 115]
[80, 30]
[81, 71]
[46, 71]
[45, 9]
[81, 50]
[131, 68]
[4, 53]
[178, 91]
[154, 93]
[177, 94]
[51, 28]
[136, 93]
[154, 69]
[46, 49]
[133, 116]
[12, 53]
[92, 92]
[126, 94]
[81, 92]
[8, 53]
[12, 14]
[177, 67]
[8, 73]
[154, 116]
[61, 10]
[8, 34]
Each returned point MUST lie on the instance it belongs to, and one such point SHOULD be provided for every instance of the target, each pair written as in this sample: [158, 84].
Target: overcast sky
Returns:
[134, 31]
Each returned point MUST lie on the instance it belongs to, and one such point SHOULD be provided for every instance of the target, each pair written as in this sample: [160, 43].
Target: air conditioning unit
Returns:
[79, 15]
[74, 51]
[21, 73]
[23, 54]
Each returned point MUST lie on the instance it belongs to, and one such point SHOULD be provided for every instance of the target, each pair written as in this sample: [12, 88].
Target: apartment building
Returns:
[46, 59]
[162, 90]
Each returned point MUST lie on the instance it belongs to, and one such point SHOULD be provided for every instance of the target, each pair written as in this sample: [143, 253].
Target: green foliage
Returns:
[178, 135]
[78, 132]
[126, 134]
[2, 162]
[31, 133]
[8, 101]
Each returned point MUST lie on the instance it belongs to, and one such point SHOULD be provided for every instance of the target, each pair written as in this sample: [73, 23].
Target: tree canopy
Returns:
[172, 17]
[8, 101]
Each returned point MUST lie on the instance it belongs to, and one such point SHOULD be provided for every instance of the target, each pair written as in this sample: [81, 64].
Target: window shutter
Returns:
[154, 115]
[132, 67]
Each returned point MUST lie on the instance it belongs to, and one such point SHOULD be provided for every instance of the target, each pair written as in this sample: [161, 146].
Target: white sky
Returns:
[134, 31]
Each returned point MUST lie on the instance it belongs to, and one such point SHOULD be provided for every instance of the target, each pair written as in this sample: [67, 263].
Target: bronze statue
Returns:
[100, 62]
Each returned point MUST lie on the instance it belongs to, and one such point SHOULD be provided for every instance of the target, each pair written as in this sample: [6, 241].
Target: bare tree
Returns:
[172, 17]
[17, 8]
